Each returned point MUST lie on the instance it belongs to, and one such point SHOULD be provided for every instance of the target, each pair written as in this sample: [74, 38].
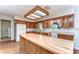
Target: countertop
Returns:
[56, 45]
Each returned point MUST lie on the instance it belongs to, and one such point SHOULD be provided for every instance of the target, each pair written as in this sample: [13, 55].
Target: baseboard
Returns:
[9, 41]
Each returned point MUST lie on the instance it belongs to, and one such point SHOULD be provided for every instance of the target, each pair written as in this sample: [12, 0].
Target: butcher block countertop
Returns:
[59, 46]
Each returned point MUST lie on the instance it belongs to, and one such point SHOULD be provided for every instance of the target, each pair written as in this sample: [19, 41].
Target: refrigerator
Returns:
[20, 29]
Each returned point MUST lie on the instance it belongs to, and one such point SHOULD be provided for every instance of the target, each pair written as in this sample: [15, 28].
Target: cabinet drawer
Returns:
[63, 36]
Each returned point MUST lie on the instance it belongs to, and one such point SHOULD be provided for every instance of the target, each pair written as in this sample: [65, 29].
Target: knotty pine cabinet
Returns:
[31, 24]
[68, 21]
[64, 21]
[46, 24]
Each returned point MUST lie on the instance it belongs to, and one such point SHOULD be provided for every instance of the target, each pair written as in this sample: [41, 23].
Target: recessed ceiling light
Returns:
[36, 16]
[40, 13]
[31, 17]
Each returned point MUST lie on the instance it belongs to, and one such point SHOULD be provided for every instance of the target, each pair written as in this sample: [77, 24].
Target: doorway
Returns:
[5, 30]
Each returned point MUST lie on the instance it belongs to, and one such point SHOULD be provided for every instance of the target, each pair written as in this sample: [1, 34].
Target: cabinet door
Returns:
[71, 21]
[30, 47]
[27, 24]
[68, 21]
[22, 45]
[46, 24]
[65, 22]
[31, 25]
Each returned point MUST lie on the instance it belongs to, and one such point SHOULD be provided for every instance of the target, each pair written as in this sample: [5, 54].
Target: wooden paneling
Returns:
[31, 48]
[63, 36]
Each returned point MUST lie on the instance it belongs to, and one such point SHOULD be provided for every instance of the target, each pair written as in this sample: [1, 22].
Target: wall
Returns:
[12, 28]
[76, 32]
[12, 23]
[0, 29]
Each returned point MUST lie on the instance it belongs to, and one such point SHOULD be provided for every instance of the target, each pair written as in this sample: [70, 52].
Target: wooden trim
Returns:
[8, 41]
[36, 8]
[19, 22]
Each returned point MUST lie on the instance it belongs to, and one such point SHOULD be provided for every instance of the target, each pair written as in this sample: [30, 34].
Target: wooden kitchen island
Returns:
[39, 44]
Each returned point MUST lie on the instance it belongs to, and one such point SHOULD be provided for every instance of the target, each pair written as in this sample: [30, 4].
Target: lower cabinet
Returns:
[63, 36]
[28, 47]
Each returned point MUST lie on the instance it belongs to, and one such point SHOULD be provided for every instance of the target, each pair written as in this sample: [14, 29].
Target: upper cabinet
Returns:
[31, 24]
[28, 24]
[46, 24]
[62, 22]
[68, 21]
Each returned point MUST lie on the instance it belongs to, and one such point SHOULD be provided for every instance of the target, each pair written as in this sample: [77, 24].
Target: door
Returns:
[20, 28]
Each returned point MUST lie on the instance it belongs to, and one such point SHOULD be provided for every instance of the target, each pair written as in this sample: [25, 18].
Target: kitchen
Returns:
[61, 27]
[47, 31]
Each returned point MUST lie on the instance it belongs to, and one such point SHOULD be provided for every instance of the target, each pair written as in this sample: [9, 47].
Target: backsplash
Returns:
[61, 31]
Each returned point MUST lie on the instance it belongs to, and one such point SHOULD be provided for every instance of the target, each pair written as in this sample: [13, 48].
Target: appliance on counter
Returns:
[40, 27]
[55, 26]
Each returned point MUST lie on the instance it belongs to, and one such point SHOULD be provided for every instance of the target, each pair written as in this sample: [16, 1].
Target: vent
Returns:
[47, 7]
